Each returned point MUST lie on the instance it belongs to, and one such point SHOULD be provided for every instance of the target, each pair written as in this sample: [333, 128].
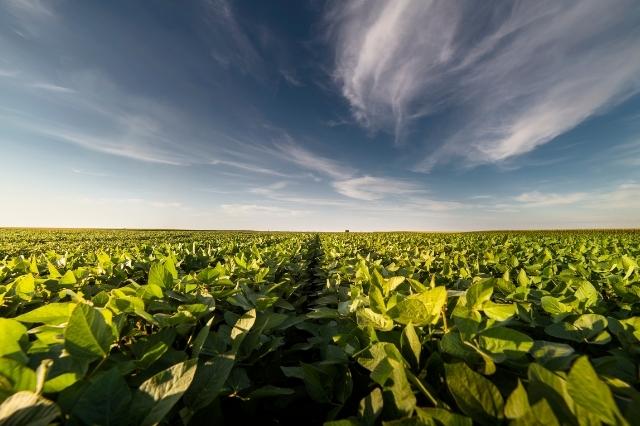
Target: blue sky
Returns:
[366, 115]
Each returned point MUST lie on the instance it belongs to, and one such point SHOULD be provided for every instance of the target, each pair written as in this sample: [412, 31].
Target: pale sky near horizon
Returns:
[320, 115]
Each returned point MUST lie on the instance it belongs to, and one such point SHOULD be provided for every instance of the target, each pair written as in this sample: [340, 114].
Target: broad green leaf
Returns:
[12, 333]
[420, 309]
[27, 408]
[370, 407]
[523, 279]
[88, 335]
[270, 391]
[505, 342]
[51, 313]
[391, 375]
[540, 414]
[105, 401]
[553, 306]
[394, 282]
[411, 345]
[544, 384]
[18, 376]
[591, 393]
[68, 278]
[25, 287]
[586, 293]
[160, 393]
[443, 417]
[376, 300]
[475, 395]
[552, 355]
[160, 276]
[499, 311]
[367, 317]
[241, 328]
[587, 328]
[518, 403]
[479, 293]
[208, 381]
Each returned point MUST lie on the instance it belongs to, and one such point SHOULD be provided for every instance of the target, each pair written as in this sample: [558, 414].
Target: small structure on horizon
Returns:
[346, 230]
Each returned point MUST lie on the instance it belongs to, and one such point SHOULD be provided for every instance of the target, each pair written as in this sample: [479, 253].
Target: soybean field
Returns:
[120, 327]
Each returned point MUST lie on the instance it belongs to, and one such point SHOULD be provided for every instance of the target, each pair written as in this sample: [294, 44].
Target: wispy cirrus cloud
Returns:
[231, 46]
[257, 209]
[30, 16]
[517, 74]
[311, 161]
[51, 87]
[346, 180]
[371, 188]
[537, 198]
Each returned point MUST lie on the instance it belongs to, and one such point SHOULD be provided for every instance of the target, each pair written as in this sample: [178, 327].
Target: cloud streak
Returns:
[369, 188]
[517, 74]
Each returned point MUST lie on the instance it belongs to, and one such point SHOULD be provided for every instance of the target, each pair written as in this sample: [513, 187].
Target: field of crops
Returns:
[179, 327]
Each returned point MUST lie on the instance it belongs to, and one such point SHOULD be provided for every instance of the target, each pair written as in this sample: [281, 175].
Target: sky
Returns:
[316, 115]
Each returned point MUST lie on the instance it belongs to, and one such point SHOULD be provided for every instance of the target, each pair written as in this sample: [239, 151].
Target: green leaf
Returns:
[443, 417]
[553, 355]
[376, 299]
[160, 393]
[476, 396]
[544, 384]
[503, 341]
[479, 293]
[587, 328]
[540, 414]
[553, 306]
[19, 376]
[27, 408]
[586, 293]
[68, 278]
[588, 391]
[522, 279]
[518, 403]
[51, 313]
[200, 339]
[105, 401]
[12, 333]
[270, 391]
[241, 328]
[420, 309]
[160, 276]
[410, 344]
[370, 407]
[391, 375]
[499, 311]
[25, 287]
[367, 317]
[87, 335]
[208, 381]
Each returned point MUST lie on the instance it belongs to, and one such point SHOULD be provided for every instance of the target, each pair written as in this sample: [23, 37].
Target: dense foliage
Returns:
[177, 327]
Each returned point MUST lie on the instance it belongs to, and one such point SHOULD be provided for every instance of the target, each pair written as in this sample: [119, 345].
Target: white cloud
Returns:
[518, 74]
[231, 45]
[51, 87]
[537, 198]
[105, 201]
[31, 16]
[620, 198]
[310, 161]
[371, 188]
[624, 196]
[253, 168]
[89, 172]
[260, 210]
